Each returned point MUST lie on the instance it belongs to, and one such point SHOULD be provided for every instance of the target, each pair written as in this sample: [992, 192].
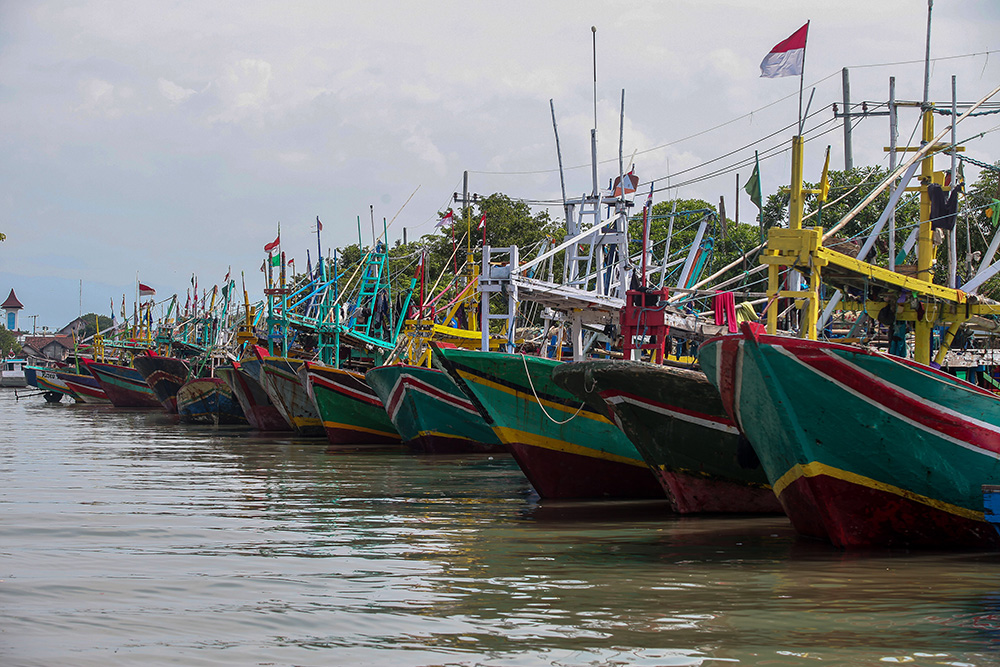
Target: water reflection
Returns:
[128, 537]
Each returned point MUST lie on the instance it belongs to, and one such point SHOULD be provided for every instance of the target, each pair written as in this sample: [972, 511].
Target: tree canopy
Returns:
[8, 343]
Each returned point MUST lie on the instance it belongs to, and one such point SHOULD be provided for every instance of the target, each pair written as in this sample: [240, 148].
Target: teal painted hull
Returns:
[350, 411]
[566, 449]
[430, 412]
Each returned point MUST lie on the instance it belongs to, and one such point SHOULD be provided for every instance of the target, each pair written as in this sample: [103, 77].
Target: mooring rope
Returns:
[531, 384]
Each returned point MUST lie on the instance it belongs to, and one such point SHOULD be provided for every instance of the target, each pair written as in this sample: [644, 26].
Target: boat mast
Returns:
[925, 237]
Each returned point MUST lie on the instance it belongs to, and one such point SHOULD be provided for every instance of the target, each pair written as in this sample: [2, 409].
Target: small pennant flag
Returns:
[482, 221]
[786, 58]
[824, 185]
[273, 244]
[146, 290]
[448, 219]
[752, 186]
[319, 225]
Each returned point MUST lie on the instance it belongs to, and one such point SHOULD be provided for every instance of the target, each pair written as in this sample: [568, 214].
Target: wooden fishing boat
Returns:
[124, 385]
[565, 448]
[208, 401]
[164, 375]
[430, 412]
[863, 449]
[280, 379]
[257, 407]
[349, 409]
[86, 388]
[676, 421]
[48, 381]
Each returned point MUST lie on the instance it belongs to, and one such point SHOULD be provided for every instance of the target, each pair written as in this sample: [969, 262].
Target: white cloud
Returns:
[173, 92]
[98, 98]
[243, 90]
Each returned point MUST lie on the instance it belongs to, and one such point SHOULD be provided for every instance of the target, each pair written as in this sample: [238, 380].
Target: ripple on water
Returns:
[128, 538]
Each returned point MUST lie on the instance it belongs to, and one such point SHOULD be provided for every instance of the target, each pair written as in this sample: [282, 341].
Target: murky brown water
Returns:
[128, 539]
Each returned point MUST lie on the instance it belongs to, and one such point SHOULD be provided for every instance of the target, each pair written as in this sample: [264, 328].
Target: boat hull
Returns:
[164, 375]
[208, 401]
[86, 388]
[257, 407]
[431, 413]
[863, 449]
[48, 380]
[279, 378]
[351, 411]
[564, 449]
[677, 422]
[124, 386]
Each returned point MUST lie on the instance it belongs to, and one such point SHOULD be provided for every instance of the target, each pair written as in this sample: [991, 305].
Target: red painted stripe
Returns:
[727, 351]
[650, 404]
[410, 382]
[363, 396]
[892, 398]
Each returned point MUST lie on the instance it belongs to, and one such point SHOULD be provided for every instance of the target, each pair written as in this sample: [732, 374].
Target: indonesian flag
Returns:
[482, 221]
[319, 225]
[273, 244]
[448, 219]
[146, 290]
[786, 58]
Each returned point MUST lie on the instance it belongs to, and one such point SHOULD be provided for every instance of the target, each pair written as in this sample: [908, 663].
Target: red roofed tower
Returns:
[12, 305]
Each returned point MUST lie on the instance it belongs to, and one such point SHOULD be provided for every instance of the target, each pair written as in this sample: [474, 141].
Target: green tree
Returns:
[92, 321]
[8, 344]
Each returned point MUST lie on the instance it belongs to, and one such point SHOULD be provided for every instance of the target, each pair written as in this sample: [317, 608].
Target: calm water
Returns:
[128, 539]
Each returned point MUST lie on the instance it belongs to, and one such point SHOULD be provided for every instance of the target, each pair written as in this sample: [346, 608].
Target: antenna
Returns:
[593, 29]
[927, 56]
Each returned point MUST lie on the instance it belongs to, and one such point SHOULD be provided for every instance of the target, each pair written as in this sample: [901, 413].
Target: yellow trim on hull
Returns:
[815, 469]
[306, 421]
[352, 427]
[509, 435]
[526, 396]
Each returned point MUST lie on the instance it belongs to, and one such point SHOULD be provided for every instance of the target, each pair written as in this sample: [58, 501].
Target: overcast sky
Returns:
[170, 138]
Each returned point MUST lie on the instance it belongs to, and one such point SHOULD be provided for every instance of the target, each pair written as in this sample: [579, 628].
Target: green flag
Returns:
[276, 260]
[752, 186]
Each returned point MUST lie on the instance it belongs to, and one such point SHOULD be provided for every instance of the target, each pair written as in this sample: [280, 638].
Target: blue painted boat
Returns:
[208, 401]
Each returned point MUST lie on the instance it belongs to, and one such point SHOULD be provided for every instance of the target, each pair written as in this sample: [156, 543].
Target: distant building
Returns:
[11, 306]
[56, 348]
[77, 326]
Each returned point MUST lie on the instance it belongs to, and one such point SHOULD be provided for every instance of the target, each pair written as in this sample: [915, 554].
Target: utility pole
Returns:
[847, 115]
[848, 150]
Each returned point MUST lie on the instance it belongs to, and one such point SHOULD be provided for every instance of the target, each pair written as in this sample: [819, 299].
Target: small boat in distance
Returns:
[12, 373]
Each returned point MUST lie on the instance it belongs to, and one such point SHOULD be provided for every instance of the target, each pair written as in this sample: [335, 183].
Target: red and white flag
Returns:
[786, 58]
[448, 219]
[273, 244]
[631, 180]
[319, 225]
[146, 290]
[482, 221]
